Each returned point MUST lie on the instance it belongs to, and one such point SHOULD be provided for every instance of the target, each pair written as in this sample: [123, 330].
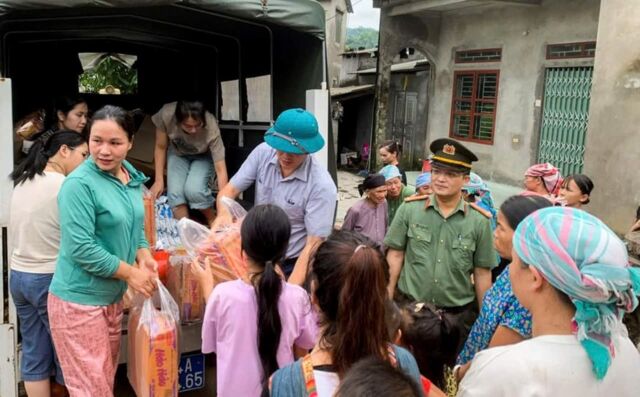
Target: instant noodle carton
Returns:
[153, 354]
[184, 287]
[150, 218]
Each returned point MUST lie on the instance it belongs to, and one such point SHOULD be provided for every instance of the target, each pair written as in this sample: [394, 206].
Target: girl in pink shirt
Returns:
[253, 326]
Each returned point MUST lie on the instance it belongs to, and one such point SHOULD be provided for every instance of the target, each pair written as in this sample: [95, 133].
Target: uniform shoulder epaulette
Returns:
[416, 198]
[481, 210]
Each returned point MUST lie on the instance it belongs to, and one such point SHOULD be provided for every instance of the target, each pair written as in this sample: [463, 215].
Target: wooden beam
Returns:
[422, 5]
[440, 5]
[518, 2]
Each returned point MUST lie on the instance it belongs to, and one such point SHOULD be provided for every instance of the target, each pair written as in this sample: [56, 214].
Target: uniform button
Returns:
[465, 247]
[439, 261]
[441, 241]
[436, 281]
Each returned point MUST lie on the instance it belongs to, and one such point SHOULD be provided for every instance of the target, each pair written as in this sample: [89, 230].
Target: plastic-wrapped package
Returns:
[149, 217]
[184, 287]
[221, 245]
[166, 226]
[153, 354]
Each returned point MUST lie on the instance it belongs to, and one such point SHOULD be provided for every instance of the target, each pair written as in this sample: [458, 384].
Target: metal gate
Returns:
[565, 117]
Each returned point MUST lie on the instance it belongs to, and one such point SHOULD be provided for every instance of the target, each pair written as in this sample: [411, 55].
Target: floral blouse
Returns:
[499, 307]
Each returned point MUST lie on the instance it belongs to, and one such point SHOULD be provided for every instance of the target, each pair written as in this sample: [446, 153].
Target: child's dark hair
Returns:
[393, 318]
[265, 233]
[41, 151]
[392, 147]
[516, 208]
[584, 183]
[374, 377]
[118, 115]
[432, 339]
[350, 278]
[191, 109]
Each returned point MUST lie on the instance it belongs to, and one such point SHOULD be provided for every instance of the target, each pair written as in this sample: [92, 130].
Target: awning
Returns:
[400, 67]
[353, 90]
[302, 15]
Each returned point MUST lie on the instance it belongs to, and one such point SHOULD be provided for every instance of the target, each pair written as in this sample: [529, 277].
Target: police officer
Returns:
[285, 174]
[437, 242]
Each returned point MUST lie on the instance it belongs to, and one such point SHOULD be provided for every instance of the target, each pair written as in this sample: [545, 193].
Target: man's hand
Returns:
[395, 259]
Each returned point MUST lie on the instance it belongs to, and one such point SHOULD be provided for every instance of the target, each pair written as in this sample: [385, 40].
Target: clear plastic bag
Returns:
[153, 355]
[219, 245]
[184, 287]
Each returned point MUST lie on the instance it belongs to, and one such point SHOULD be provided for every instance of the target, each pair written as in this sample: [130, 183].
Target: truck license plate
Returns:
[191, 372]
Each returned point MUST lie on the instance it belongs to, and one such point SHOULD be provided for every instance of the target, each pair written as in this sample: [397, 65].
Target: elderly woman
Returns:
[369, 215]
[423, 184]
[542, 180]
[573, 274]
[396, 190]
[476, 191]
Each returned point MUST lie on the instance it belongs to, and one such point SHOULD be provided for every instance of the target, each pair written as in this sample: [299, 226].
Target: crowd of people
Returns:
[421, 292]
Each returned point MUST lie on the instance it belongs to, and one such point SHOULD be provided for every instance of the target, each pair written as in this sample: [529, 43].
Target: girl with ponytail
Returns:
[253, 325]
[348, 283]
[36, 240]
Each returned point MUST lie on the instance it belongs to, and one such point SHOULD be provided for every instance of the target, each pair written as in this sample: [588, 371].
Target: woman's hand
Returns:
[157, 188]
[204, 275]
[142, 280]
[150, 264]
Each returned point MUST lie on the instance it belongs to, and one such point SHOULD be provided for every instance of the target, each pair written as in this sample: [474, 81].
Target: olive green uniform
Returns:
[440, 253]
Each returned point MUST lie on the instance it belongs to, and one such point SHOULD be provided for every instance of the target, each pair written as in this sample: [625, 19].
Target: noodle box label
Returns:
[191, 372]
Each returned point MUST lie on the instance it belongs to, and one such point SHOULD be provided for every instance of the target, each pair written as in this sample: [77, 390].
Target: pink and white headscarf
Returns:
[580, 256]
[550, 176]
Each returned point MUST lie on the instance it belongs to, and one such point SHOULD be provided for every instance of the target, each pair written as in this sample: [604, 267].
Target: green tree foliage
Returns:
[361, 37]
[109, 72]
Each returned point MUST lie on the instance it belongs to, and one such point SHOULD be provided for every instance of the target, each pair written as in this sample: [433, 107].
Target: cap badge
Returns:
[449, 149]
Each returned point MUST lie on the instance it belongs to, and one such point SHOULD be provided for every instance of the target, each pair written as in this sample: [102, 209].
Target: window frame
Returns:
[582, 54]
[472, 113]
[479, 50]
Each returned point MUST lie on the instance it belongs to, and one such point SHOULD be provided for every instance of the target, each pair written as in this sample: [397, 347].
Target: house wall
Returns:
[335, 46]
[613, 140]
[522, 33]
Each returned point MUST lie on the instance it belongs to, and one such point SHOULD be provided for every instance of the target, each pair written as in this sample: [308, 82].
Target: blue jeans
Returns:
[188, 180]
[29, 292]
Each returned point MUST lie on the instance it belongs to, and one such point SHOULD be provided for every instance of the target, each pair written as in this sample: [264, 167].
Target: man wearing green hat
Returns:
[437, 243]
[286, 175]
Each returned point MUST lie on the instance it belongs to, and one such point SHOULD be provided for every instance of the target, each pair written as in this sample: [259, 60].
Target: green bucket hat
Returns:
[295, 131]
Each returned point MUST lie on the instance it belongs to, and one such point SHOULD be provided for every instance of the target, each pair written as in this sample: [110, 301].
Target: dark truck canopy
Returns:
[305, 16]
[183, 48]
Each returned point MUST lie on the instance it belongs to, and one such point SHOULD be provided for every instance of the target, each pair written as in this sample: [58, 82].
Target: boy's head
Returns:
[374, 377]
[395, 321]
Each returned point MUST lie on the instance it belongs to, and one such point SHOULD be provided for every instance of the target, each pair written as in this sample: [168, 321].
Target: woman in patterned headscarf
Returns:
[542, 179]
[573, 274]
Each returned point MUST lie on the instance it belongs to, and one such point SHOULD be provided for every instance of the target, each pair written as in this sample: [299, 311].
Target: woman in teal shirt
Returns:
[102, 227]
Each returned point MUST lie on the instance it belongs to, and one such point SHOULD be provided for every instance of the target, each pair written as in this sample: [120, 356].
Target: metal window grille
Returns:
[473, 110]
[571, 50]
[476, 56]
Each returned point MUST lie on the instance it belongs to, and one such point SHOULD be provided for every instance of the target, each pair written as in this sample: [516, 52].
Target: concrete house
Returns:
[521, 82]
[336, 12]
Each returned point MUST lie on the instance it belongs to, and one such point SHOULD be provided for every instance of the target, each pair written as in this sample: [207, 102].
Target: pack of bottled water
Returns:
[168, 238]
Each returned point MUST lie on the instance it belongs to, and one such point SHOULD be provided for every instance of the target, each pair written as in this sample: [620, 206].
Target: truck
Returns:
[247, 60]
